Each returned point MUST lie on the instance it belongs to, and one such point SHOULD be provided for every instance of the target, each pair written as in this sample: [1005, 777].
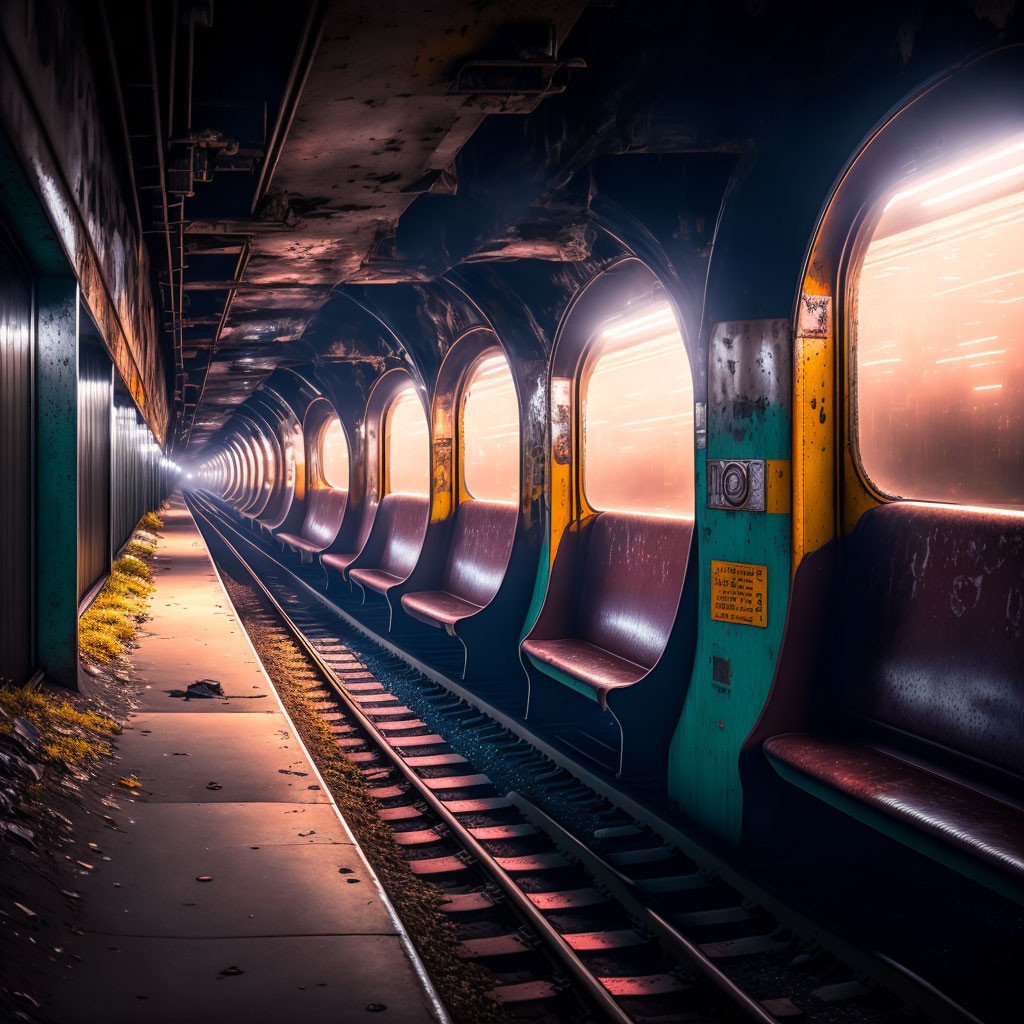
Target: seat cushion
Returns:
[966, 821]
[292, 540]
[438, 607]
[592, 666]
[375, 579]
[339, 562]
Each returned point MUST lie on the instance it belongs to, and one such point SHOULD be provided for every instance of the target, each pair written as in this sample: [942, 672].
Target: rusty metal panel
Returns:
[16, 401]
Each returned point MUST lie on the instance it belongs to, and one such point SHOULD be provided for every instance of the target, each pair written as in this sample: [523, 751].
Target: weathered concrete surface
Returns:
[290, 901]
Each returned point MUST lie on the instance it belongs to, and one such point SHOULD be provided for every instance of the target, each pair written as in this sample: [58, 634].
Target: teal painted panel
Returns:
[749, 417]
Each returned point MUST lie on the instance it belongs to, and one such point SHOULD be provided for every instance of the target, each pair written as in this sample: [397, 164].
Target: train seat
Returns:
[923, 739]
[325, 508]
[628, 576]
[394, 543]
[477, 559]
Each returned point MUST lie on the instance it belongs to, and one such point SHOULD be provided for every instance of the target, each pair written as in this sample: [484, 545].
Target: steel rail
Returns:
[627, 893]
[591, 988]
[890, 974]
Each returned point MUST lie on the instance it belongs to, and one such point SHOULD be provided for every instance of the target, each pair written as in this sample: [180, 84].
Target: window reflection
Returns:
[333, 455]
[490, 439]
[939, 335]
[407, 448]
[638, 418]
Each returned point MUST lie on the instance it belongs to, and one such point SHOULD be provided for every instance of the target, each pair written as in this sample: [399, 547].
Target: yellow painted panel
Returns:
[739, 593]
[778, 488]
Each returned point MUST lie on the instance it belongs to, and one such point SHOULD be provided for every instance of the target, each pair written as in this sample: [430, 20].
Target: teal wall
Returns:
[748, 418]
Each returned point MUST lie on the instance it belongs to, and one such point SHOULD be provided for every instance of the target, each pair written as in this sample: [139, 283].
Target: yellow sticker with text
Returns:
[739, 593]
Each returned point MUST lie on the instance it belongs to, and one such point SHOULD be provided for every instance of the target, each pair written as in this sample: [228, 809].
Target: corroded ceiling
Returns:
[297, 136]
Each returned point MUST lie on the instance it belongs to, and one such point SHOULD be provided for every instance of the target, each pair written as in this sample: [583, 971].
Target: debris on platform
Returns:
[202, 689]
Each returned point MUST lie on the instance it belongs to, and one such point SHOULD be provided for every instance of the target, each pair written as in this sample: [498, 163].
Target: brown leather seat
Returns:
[438, 607]
[906, 794]
[325, 508]
[339, 562]
[924, 736]
[629, 575]
[584, 661]
[477, 560]
[394, 543]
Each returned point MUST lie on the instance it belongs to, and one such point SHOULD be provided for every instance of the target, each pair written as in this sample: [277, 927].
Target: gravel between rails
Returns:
[463, 986]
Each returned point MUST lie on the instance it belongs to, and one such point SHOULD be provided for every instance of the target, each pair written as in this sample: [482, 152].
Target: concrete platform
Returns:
[289, 921]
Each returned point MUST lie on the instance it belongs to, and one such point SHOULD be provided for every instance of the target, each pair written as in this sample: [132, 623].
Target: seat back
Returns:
[633, 567]
[480, 548]
[933, 628]
[325, 508]
[402, 518]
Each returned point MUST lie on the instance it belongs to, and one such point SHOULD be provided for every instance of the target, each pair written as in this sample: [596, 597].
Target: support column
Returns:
[57, 479]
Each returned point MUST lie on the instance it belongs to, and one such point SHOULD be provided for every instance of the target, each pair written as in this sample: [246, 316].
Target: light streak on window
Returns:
[926, 427]
[637, 389]
[407, 446]
[490, 432]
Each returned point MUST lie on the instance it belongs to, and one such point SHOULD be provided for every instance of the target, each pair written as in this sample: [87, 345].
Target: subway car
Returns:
[675, 418]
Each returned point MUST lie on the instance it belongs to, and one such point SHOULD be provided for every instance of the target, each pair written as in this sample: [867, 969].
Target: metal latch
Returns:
[736, 484]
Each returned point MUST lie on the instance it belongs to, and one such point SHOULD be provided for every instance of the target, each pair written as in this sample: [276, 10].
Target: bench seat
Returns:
[477, 559]
[394, 543]
[627, 578]
[375, 579]
[339, 562]
[602, 670]
[886, 786]
[438, 607]
[298, 543]
[920, 733]
[325, 508]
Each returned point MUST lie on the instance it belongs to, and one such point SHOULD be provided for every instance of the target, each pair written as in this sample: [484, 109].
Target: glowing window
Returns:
[332, 455]
[269, 459]
[490, 432]
[939, 335]
[407, 446]
[637, 401]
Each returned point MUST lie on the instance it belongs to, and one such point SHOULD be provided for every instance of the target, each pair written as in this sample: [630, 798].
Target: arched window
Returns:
[490, 432]
[937, 329]
[407, 446]
[637, 417]
[332, 454]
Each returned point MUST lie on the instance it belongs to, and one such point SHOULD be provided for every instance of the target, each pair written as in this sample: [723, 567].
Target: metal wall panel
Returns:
[95, 398]
[16, 481]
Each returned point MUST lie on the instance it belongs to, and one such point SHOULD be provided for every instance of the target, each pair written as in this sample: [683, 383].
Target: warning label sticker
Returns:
[739, 593]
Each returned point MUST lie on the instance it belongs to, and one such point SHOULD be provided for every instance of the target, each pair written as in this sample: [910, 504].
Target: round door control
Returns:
[735, 483]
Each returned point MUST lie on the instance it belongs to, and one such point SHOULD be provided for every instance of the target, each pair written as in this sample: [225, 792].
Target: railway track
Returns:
[620, 926]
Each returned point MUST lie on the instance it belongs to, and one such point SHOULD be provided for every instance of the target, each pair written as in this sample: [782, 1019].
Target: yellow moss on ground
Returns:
[67, 734]
[112, 620]
[129, 565]
[97, 644]
[152, 522]
[129, 782]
